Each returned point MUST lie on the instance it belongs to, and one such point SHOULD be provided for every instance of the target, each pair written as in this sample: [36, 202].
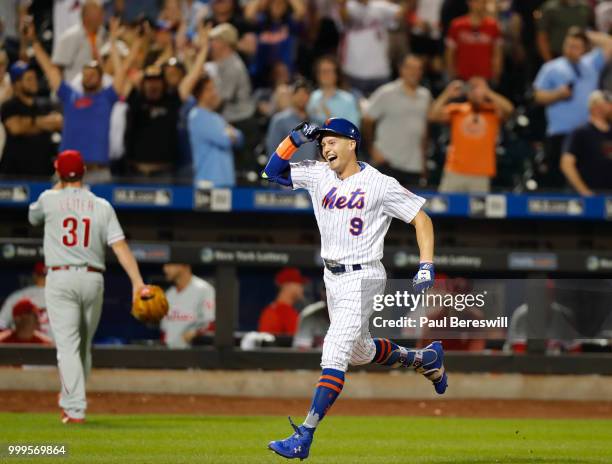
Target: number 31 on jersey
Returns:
[75, 235]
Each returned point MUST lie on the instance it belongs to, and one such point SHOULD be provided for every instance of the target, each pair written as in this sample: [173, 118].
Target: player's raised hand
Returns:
[304, 132]
[424, 278]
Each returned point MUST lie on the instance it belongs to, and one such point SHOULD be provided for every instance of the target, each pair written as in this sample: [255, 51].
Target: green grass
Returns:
[152, 439]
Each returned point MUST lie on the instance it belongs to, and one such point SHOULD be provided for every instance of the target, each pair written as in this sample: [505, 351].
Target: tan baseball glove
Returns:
[150, 305]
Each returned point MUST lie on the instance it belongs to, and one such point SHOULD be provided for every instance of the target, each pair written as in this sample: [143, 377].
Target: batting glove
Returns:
[303, 133]
[424, 279]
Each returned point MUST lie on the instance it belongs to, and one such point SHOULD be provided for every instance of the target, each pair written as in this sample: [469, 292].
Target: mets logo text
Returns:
[355, 201]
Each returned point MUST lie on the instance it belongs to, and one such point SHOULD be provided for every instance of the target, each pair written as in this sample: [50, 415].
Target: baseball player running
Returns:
[77, 227]
[354, 205]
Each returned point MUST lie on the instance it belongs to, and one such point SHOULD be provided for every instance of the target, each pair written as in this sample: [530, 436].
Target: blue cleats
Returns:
[430, 362]
[297, 445]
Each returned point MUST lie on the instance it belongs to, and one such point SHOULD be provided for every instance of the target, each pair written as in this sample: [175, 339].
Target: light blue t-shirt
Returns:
[565, 116]
[211, 147]
[341, 105]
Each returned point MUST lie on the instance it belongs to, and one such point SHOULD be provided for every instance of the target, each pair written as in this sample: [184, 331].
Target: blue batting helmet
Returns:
[340, 127]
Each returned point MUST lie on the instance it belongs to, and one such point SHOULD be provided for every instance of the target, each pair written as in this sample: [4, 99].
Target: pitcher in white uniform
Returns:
[78, 226]
[354, 205]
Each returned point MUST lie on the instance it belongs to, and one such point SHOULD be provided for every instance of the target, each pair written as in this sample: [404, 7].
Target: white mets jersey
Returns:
[78, 227]
[354, 214]
[191, 308]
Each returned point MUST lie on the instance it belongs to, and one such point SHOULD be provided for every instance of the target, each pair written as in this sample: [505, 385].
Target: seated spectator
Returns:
[312, 324]
[563, 86]
[277, 24]
[191, 310]
[329, 100]
[587, 160]
[398, 111]
[25, 315]
[228, 11]
[474, 128]
[211, 138]
[29, 123]
[282, 123]
[474, 46]
[366, 60]
[151, 136]
[80, 43]
[87, 114]
[35, 293]
[280, 317]
[555, 19]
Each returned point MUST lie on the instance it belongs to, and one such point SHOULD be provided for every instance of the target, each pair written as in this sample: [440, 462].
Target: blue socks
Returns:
[328, 389]
[391, 354]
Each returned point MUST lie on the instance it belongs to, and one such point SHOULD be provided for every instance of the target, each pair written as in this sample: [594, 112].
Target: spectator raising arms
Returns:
[86, 114]
[278, 24]
[29, 123]
[587, 160]
[474, 46]
[474, 127]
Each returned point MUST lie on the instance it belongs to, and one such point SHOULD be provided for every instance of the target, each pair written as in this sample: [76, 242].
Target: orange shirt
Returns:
[278, 319]
[473, 139]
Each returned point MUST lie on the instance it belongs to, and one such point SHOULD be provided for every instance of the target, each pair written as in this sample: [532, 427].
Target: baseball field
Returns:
[361, 431]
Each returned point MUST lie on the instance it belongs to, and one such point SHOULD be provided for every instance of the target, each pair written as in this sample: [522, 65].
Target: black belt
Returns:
[337, 268]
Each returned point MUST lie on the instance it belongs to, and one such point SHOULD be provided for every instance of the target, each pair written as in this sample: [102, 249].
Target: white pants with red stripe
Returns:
[74, 303]
[350, 298]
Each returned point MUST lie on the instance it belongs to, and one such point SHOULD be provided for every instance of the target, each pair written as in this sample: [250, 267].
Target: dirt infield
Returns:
[137, 403]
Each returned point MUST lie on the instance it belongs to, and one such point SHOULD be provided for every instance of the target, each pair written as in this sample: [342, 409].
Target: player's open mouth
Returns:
[331, 157]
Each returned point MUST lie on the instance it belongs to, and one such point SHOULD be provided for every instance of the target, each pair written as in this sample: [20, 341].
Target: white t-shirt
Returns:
[354, 214]
[365, 54]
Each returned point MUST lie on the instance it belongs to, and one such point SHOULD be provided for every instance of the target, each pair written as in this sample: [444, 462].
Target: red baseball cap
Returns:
[290, 275]
[24, 306]
[40, 269]
[69, 164]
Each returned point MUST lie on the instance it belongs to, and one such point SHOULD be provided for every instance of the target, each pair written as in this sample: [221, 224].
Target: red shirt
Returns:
[278, 319]
[474, 46]
[10, 336]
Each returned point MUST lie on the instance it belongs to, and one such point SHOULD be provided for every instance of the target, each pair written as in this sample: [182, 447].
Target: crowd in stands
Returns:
[460, 95]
